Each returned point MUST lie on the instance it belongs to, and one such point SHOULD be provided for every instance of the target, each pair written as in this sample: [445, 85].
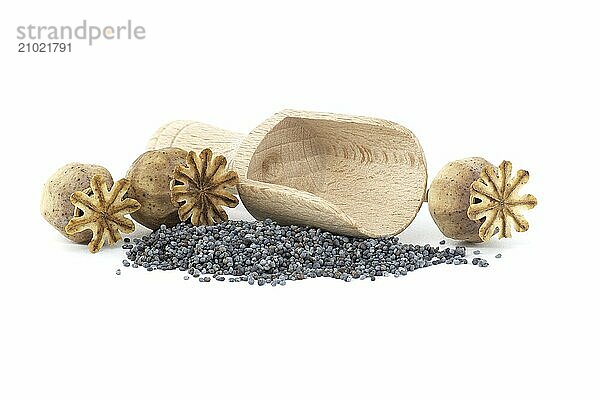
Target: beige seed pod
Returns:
[201, 188]
[495, 199]
[449, 198]
[56, 207]
[150, 176]
[103, 212]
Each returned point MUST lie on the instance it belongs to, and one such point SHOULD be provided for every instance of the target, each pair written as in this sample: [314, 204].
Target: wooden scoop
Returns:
[351, 175]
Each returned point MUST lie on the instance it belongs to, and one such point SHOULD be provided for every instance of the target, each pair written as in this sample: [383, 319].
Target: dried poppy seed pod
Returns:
[495, 200]
[201, 188]
[150, 176]
[103, 212]
[56, 207]
[448, 198]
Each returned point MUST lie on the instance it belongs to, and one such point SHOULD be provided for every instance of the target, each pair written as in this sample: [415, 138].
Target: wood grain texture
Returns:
[353, 175]
[192, 135]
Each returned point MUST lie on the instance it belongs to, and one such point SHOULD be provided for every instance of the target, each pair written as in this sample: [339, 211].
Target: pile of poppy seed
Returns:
[264, 252]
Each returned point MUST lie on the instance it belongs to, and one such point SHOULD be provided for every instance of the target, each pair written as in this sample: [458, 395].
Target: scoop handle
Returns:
[197, 136]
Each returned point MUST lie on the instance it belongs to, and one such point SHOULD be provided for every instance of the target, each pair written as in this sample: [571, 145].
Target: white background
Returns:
[517, 80]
